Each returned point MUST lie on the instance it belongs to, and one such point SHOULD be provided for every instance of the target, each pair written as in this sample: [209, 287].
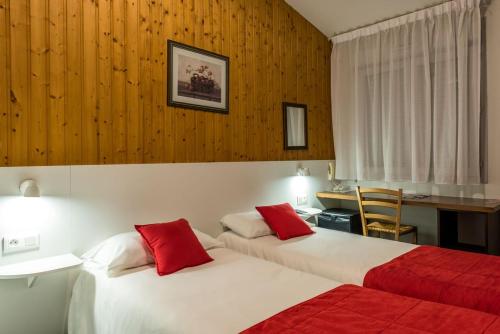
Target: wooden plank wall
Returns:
[83, 81]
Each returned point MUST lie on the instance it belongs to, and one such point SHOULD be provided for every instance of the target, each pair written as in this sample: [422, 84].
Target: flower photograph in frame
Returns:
[197, 79]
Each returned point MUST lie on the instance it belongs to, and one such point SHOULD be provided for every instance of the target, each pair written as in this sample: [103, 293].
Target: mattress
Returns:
[340, 256]
[227, 295]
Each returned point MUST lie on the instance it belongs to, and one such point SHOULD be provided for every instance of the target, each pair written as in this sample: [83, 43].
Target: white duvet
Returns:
[227, 295]
[340, 256]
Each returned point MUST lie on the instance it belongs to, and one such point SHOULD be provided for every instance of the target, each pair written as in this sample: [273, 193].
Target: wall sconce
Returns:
[303, 171]
[29, 188]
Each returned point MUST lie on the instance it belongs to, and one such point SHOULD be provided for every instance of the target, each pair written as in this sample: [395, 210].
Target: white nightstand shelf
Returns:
[32, 269]
[307, 213]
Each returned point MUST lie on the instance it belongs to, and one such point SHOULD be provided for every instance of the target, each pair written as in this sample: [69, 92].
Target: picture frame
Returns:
[197, 79]
[295, 134]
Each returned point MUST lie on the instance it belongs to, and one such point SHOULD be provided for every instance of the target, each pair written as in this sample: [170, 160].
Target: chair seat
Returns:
[389, 228]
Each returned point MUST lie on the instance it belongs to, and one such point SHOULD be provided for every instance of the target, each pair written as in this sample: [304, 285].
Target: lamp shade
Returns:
[29, 188]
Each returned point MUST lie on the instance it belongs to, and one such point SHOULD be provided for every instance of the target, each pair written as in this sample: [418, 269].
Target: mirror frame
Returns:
[285, 126]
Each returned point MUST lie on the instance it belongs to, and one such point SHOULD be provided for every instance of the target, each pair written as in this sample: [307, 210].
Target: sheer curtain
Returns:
[406, 97]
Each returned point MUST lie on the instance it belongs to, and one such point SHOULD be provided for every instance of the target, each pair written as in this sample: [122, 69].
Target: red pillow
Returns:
[174, 246]
[283, 220]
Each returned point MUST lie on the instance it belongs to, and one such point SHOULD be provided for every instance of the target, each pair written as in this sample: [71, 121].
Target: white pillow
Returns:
[207, 241]
[120, 252]
[128, 250]
[247, 224]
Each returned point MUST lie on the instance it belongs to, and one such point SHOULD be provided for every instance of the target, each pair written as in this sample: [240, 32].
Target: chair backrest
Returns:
[381, 198]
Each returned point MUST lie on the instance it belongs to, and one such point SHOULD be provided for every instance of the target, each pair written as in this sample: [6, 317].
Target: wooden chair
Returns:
[382, 223]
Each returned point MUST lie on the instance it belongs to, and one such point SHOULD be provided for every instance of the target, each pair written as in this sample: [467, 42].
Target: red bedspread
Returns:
[353, 309]
[442, 275]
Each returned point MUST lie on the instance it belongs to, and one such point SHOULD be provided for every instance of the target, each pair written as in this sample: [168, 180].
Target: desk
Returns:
[449, 209]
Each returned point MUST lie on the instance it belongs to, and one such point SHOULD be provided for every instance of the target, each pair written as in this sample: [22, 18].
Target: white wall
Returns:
[83, 205]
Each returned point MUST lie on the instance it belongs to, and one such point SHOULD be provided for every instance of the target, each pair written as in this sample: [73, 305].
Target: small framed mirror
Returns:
[295, 126]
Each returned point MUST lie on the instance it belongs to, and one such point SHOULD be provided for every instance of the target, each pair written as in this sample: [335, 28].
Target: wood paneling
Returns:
[37, 145]
[75, 100]
[4, 83]
[105, 72]
[19, 83]
[84, 81]
[56, 118]
[90, 83]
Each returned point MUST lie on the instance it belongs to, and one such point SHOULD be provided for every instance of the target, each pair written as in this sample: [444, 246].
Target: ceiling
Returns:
[333, 16]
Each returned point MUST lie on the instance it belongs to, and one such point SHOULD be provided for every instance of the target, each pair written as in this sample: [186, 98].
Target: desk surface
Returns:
[438, 202]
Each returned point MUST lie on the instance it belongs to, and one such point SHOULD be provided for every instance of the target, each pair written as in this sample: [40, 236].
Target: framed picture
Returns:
[197, 79]
[295, 126]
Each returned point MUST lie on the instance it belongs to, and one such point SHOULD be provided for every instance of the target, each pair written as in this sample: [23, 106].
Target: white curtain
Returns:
[406, 97]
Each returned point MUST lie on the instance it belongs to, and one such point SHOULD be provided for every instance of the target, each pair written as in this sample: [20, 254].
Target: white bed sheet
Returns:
[340, 256]
[227, 295]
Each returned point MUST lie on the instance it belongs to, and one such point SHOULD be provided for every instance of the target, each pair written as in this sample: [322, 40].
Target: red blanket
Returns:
[353, 309]
[442, 275]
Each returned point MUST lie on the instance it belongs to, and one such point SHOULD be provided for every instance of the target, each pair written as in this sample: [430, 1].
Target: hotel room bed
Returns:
[451, 277]
[236, 293]
[227, 295]
[341, 256]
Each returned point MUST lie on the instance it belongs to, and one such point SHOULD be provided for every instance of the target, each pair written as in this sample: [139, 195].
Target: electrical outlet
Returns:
[301, 199]
[20, 243]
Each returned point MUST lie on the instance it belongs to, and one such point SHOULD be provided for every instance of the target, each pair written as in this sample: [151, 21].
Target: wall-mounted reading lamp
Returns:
[29, 188]
[303, 171]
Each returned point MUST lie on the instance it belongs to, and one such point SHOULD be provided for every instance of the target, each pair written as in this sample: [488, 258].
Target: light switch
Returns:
[20, 242]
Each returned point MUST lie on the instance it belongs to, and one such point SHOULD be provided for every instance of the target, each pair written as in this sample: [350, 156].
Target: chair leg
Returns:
[415, 237]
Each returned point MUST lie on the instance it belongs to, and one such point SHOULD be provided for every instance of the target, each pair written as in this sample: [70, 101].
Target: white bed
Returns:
[227, 295]
[340, 256]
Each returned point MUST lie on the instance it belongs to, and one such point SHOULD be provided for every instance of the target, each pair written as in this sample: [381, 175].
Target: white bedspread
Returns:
[340, 256]
[227, 295]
